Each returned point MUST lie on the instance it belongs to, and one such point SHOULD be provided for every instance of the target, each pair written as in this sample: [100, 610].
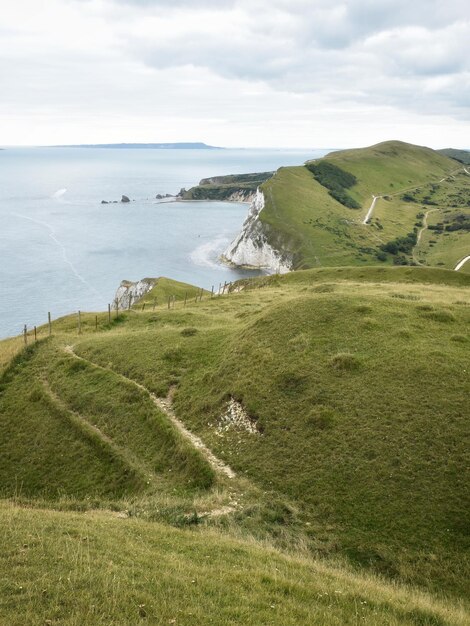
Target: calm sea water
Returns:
[62, 250]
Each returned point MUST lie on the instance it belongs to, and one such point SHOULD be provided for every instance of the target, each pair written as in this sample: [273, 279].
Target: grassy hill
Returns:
[305, 218]
[459, 155]
[338, 397]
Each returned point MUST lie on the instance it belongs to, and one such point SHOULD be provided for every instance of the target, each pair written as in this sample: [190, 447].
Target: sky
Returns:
[235, 73]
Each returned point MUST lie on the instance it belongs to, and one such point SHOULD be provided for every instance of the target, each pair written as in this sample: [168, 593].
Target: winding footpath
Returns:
[421, 231]
[165, 405]
[367, 218]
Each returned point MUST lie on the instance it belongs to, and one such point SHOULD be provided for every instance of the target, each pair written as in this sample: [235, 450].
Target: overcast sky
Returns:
[293, 73]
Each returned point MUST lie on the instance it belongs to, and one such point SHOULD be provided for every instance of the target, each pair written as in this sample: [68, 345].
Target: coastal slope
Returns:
[313, 215]
[231, 188]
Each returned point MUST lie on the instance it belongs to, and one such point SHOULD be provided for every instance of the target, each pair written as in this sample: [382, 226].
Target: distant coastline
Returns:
[144, 146]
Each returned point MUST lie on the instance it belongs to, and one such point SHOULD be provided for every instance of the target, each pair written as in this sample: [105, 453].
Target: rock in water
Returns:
[125, 199]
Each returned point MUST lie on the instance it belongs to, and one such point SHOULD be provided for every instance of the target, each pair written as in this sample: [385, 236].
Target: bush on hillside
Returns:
[331, 176]
[336, 181]
[400, 244]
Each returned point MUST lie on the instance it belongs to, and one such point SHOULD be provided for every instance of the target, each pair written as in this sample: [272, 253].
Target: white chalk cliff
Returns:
[251, 248]
[128, 293]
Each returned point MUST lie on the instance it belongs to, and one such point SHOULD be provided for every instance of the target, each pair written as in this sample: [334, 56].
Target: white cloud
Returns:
[251, 72]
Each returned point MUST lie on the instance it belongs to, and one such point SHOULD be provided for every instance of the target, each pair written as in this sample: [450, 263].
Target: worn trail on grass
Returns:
[461, 263]
[165, 405]
[88, 430]
[371, 209]
[418, 238]
[368, 217]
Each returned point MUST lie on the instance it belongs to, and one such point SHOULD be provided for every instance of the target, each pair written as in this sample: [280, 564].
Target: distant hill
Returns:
[238, 187]
[459, 155]
[145, 146]
[324, 213]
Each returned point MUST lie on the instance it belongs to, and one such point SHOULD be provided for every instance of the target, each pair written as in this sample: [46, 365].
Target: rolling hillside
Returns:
[323, 411]
[310, 220]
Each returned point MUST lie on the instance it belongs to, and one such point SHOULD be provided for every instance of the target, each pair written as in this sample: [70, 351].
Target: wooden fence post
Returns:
[185, 296]
[35, 334]
[169, 300]
[96, 322]
[79, 323]
[143, 306]
[49, 323]
[109, 313]
[212, 291]
[25, 335]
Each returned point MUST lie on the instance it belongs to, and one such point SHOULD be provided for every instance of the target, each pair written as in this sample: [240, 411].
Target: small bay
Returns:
[62, 250]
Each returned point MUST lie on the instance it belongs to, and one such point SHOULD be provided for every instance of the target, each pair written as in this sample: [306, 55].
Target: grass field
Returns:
[353, 383]
[87, 569]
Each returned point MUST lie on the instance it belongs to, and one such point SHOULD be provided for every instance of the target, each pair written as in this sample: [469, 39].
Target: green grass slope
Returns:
[349, 437]
[70, 569]
[302, 217]
[357, 382]
[168, 288]
[459, 155]
[70, 429]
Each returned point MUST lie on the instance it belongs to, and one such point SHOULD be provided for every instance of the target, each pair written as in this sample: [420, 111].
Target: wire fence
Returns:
[133, 304]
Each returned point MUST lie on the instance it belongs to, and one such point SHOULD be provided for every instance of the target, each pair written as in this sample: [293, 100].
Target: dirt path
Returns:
[461, 263]
[367, 218]
[371, 209]
[165, 405]
[421, 231]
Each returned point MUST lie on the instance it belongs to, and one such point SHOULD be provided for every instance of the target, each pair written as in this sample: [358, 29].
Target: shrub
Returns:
[331, 176]
[336, 181]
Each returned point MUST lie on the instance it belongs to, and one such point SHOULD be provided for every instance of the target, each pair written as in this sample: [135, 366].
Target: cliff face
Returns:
[128, 293]
[251, 247]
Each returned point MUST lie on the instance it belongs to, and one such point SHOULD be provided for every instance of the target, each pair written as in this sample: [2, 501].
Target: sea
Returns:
[62, 250]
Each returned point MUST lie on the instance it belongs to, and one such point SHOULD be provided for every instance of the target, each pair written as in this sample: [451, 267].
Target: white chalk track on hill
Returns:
[461, 263]
[165, 405]
[371, 209]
